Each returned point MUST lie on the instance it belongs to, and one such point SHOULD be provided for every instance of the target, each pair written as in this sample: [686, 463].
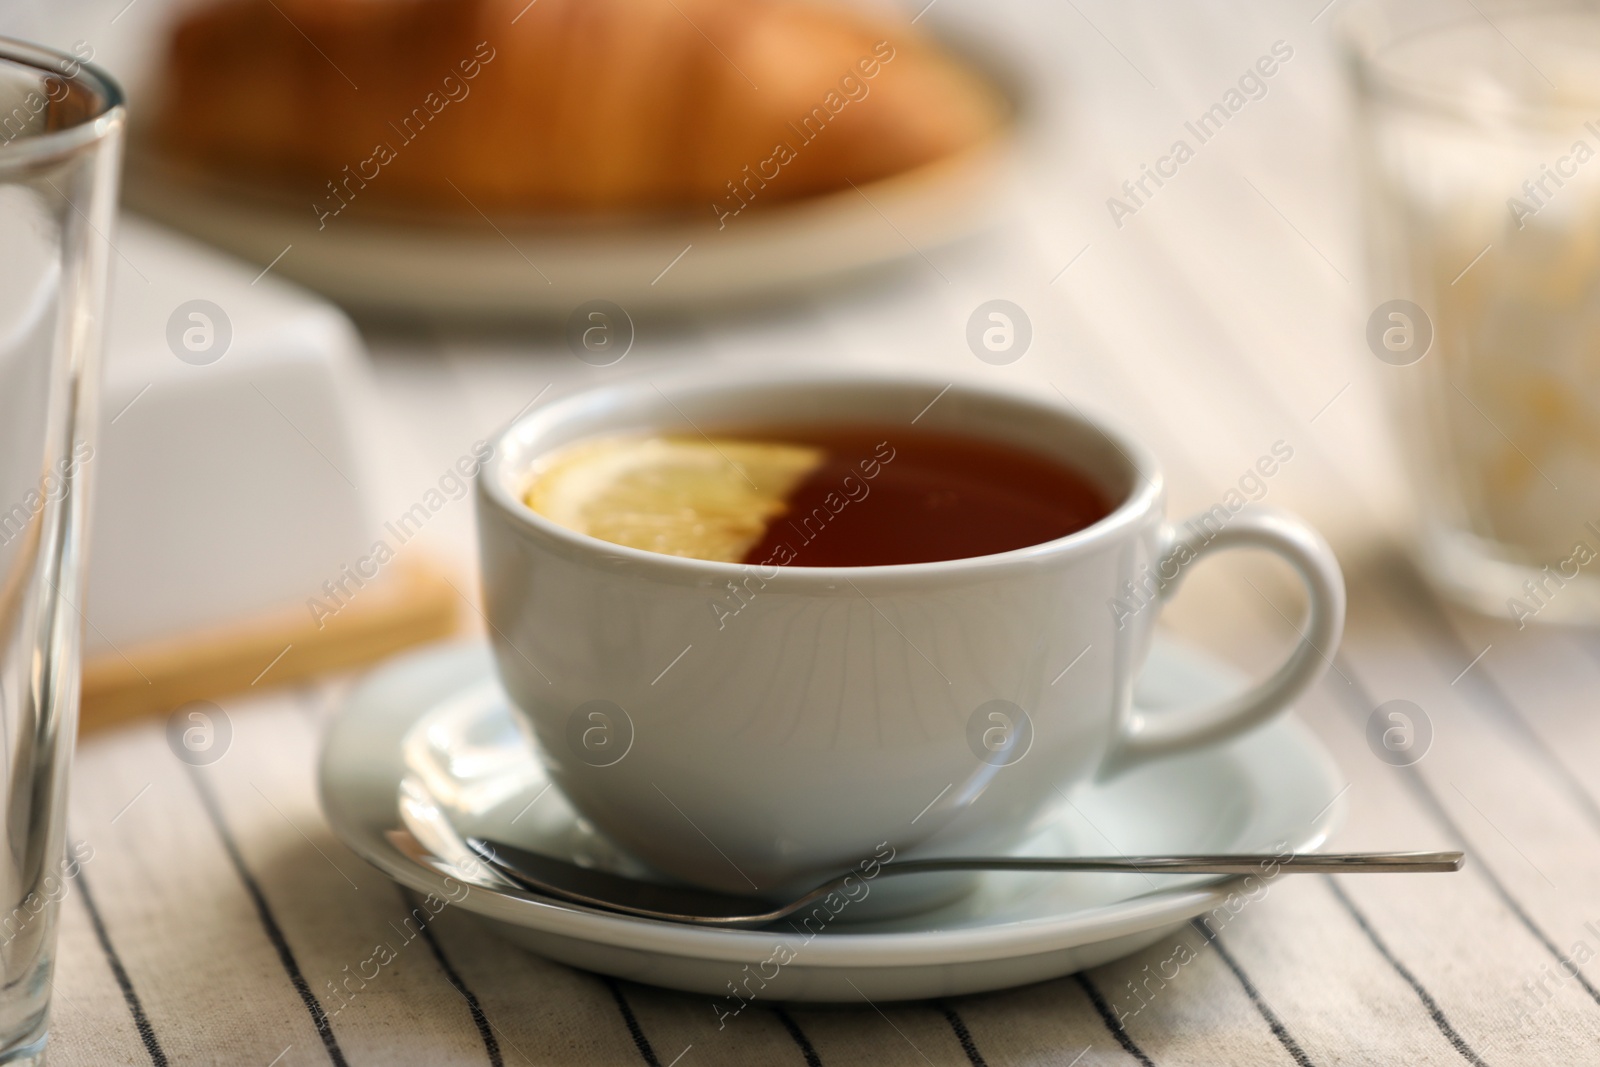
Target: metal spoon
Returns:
[702, 907]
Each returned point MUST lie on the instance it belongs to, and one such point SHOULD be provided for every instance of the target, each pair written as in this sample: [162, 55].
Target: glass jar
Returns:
[1479, 129]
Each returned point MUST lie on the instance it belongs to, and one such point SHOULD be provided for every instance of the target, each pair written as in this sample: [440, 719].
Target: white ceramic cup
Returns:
[751, 729]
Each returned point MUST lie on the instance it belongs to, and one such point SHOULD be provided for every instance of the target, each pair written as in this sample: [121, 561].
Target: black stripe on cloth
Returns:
[1360, 700]
[963, 1035]
[636, 1031]
[1113, 1024]
[800, 1038]
[319, 1017]
[141, 1021]
[1434, 1011]
[491, 1044]
[1449, 652]
[1275, 1024]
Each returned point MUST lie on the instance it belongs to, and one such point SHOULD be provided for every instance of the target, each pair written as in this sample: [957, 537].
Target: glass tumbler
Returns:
[60, 143]
[1479, 132]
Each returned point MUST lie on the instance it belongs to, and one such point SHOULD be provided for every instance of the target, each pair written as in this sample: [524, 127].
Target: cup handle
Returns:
[1145, 735]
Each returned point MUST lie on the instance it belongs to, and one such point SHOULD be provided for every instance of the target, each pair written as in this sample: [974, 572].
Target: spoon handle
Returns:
[1265, 864]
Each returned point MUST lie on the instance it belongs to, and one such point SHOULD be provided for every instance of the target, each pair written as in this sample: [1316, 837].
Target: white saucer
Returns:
[440, 720]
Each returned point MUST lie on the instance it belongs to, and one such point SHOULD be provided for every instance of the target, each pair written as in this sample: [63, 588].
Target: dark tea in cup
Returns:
[815, 496]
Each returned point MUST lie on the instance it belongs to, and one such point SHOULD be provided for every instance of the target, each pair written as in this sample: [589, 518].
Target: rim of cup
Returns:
[504, 475]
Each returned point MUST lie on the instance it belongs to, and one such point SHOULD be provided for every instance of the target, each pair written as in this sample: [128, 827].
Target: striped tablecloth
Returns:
[214, 907]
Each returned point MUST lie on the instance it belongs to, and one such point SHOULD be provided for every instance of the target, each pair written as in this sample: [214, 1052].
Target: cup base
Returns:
[900, 897]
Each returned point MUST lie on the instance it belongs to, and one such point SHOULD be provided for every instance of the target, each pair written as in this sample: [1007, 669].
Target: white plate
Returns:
[440, 719]
[509, 268]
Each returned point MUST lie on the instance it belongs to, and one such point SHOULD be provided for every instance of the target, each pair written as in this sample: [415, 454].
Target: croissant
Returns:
[556, 106]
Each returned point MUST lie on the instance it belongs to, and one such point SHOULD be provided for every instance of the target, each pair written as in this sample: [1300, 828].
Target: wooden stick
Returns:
[413, 604]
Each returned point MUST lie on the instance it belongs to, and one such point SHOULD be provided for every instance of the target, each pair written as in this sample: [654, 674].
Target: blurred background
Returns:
[1353, 243]
[1213, 297]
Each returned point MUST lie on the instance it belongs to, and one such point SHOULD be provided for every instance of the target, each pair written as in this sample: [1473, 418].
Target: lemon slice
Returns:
[706, 499]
